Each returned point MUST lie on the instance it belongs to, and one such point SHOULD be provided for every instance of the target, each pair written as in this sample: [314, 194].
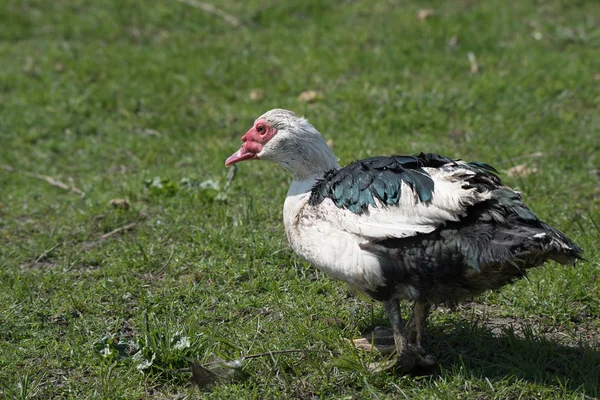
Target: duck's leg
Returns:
[416, 325]
[406, 359]
[408, 356]
[406, 339]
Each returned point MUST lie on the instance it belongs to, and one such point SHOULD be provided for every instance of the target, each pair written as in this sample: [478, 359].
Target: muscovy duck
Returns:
[424, 228]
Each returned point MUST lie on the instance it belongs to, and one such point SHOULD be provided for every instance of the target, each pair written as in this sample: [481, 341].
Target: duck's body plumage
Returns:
[426, 228]
[420, 227]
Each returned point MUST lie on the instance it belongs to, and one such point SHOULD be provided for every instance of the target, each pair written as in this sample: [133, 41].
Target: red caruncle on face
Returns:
[254, 141]
[259, 134]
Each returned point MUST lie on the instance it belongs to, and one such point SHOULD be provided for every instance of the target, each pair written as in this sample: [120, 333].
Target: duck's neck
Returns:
[302, 186]
[309, 161]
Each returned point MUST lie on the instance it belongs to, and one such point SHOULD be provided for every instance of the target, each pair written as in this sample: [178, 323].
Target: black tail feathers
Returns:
[564, 250]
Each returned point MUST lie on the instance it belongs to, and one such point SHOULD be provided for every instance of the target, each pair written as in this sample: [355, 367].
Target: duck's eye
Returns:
[260, 129]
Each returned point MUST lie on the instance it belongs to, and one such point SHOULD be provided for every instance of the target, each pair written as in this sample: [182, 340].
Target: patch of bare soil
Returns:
[38, 265]
[492, 318]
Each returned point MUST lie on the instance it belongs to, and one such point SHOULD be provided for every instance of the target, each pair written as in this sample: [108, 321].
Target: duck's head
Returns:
[284, 138]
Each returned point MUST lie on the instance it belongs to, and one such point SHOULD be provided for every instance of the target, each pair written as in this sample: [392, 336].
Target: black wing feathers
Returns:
[357, 185]
[360, 183]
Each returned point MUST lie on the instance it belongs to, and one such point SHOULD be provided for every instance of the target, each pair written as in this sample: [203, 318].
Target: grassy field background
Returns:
[143, 101]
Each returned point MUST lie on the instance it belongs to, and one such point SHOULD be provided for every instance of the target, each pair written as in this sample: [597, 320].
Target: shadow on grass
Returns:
[524, 355]
[484, 351]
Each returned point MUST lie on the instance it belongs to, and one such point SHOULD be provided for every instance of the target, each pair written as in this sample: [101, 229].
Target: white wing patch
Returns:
[411, 216]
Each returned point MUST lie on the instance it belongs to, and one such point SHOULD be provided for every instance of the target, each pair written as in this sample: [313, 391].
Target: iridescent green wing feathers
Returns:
[358, 185]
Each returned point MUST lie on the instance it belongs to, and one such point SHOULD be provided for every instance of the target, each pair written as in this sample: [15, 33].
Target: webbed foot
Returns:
[380, 340]
[407, 358]
[408, 362]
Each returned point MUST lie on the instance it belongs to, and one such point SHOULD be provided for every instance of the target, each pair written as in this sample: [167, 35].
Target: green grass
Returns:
[107, 95]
